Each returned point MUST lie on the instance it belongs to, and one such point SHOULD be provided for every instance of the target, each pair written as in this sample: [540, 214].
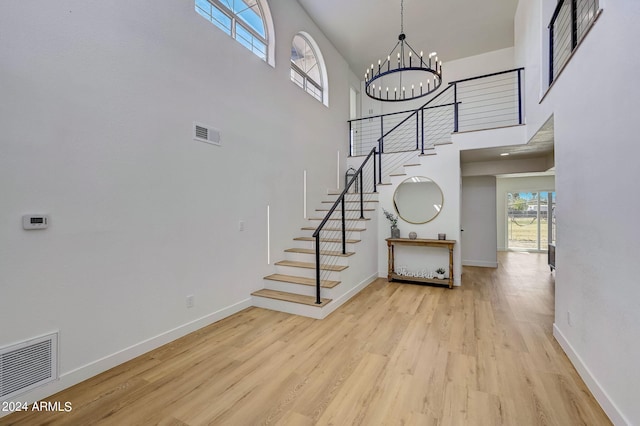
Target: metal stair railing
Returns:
[333, 233]
[477, 103]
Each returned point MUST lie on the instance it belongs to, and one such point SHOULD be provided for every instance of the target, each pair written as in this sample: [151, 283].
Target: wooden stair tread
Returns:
[352, 201]
[322, 252]
[347, 210]
[325, 240]
[309, 265]
[398, 174]
[290, 297]
[412, 165]
[301, 280]
[346, 219]
[351, 193]
[311, 228]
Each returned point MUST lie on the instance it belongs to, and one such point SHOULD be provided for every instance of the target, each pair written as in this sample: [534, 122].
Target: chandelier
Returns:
[405, 74]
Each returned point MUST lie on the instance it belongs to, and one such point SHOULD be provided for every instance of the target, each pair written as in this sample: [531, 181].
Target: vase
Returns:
[413, 235]
[395, 232]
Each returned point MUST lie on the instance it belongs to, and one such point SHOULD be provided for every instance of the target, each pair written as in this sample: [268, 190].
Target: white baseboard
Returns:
[73, 377]
[609, 407]
[481, 263]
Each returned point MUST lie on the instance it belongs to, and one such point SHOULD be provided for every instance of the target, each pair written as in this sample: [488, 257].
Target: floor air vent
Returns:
[27, 365]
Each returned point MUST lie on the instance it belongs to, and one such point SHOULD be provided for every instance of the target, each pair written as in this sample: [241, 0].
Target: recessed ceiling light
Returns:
[504, 154]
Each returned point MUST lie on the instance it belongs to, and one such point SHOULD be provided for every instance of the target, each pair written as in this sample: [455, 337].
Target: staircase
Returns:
[292, 288]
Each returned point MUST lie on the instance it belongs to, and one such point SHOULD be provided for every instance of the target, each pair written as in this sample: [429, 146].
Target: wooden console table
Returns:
[448, 244]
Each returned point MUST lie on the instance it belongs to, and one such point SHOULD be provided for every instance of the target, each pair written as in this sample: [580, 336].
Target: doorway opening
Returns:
[530, 220]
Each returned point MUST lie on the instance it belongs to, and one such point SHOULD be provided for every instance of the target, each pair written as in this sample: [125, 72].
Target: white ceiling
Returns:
[366, 30]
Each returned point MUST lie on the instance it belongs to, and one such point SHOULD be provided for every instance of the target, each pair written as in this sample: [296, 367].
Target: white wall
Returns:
[96, 112]
[478, 219]
[505, 185]
[444, 170]
[596, 154]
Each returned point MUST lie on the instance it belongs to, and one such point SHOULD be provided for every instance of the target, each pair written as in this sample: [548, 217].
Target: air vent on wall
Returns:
[28, 364]
[206, 134]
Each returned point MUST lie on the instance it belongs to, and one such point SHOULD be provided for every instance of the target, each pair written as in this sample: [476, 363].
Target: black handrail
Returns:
[486, 75]
[340, 201]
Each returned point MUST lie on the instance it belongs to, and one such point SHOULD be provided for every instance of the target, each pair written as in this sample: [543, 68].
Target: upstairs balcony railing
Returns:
[570, 22]
[477, 103]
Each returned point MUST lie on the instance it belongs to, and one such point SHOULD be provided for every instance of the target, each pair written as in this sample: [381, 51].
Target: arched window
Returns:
[307, 67]
[247, 21]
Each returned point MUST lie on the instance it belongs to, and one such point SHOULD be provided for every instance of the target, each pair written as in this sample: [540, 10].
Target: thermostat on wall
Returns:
[35, 221]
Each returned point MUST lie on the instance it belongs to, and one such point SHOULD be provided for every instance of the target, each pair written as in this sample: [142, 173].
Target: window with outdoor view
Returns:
[247, 21]
[307, 67]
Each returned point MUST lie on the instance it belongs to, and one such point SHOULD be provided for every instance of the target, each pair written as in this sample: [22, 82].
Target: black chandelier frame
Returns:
[373, 76]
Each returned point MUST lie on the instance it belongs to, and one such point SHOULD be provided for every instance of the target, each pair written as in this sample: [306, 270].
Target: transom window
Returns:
[307, 67]
[243, 20]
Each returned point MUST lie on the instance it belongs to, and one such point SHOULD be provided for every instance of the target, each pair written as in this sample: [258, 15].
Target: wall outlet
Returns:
[190, 301]
[569, 319]
[241, 225]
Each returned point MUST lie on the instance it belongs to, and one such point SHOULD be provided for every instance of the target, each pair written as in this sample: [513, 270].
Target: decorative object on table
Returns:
[413, 235]
[442, 236]
[440, 273]
[395, 232]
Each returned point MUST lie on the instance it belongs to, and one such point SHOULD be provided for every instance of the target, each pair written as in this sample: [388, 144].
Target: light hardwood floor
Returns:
[480, 354]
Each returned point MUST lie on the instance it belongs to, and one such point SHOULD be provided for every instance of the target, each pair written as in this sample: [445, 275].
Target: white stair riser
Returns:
[351, 235]
[308, 273]
[305, 290]
[354, 195]
[326, 246]
[288, 307]
[311, 258]
[336, 220]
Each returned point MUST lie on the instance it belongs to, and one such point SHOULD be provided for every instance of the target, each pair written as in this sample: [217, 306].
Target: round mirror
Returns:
[418, 200]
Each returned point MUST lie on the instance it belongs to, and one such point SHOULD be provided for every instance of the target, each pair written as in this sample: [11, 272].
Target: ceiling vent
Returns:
[27, 365]
[204, 133]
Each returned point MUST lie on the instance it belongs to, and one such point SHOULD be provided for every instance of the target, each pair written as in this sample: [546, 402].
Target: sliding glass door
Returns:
[528, 224]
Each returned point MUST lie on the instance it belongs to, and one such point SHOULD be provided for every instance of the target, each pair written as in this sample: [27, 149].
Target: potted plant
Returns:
[440, 273]
[395, 232]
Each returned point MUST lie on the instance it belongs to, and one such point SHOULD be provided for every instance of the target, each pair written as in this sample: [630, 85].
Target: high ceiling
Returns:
[366, 30]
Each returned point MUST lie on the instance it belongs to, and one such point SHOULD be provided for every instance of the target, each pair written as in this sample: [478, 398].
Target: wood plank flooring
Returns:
[480, 354]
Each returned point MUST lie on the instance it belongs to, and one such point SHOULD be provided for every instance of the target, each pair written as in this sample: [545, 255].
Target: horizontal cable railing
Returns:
[490, 101]
[477, 103]
[569, 24]
[343, 222]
